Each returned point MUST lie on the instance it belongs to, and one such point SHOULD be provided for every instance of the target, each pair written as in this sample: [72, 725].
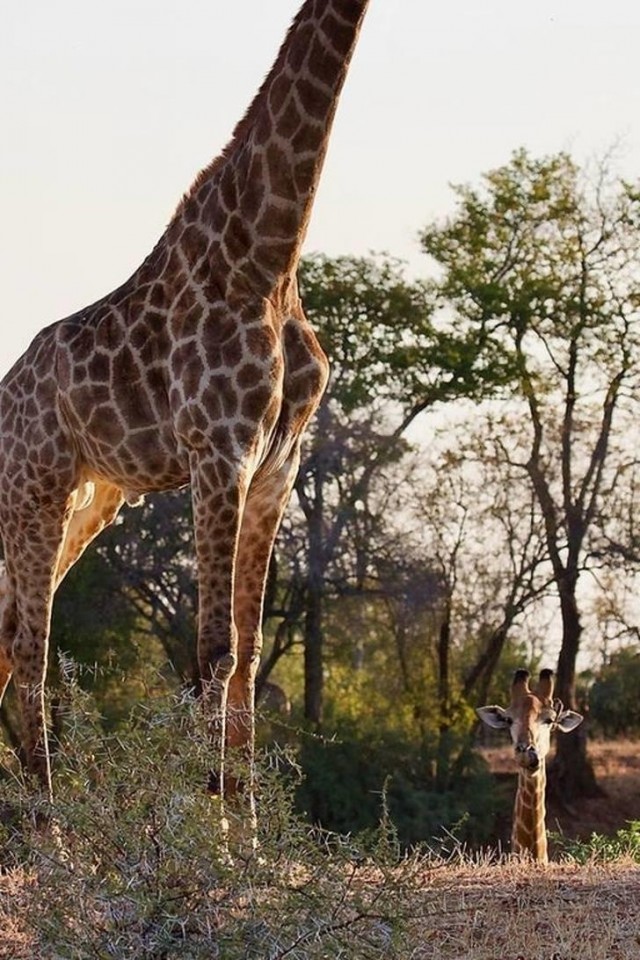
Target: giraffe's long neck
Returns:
[529, 833]
[259, 193]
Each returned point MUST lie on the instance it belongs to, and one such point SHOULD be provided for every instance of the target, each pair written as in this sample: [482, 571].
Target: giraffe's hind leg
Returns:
[31, 560]
[7, 631]
[36, 564]
[98, 508]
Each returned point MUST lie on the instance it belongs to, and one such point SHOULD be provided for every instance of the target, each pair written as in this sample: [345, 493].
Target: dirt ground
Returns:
[617, 769]
[519, 911]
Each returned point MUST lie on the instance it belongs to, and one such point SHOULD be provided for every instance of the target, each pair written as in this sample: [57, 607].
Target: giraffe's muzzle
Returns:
[527, 757]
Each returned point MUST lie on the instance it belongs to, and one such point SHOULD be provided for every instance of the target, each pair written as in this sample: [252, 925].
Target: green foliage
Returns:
[352, 777]
[384, 340]
[624, 844]
[131, 860]
[613, 699]
[545, 252]
[356, 306]
[91, 618]
[95, 626]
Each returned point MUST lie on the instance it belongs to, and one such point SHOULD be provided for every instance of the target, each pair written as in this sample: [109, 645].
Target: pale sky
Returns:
[108, 110]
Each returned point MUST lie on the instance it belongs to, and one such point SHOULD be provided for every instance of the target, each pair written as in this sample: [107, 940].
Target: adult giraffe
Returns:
[531, 717]
[200, 369]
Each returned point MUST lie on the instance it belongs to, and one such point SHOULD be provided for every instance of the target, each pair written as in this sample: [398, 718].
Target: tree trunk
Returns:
[444, 700]
[565, 685]
[313, 626]
[479, 677]
[313, 658]
[571, 774]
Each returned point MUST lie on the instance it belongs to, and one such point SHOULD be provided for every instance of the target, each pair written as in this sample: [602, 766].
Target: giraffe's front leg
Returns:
[266, 502]
[218, 492]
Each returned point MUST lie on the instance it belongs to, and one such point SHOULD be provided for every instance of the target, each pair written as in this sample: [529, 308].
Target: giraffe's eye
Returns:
[549, 720]
[509, 720]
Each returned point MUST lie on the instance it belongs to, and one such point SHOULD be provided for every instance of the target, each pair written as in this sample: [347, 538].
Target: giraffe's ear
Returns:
[568, 720]
[494, 716]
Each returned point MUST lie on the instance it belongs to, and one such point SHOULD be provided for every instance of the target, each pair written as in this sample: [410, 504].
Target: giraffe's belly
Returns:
[155, 457]
[144, 463]
[139, 457]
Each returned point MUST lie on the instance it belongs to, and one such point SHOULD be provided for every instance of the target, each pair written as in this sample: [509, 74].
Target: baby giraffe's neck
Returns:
[529, 833]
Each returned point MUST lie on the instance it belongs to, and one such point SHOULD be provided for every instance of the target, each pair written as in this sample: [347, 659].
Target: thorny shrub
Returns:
[130, 860]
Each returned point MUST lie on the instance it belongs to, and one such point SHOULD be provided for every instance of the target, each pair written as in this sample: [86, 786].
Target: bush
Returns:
[351, 778]
[601, 849]
[131, 861]
[613, 700]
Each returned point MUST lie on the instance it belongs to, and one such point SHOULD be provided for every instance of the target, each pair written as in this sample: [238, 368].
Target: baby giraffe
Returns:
[531, 717]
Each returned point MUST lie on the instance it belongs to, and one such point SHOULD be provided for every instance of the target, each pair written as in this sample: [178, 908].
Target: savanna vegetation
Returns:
[466, 505]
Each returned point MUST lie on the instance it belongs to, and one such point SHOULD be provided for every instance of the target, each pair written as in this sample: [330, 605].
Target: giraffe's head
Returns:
[531, 717]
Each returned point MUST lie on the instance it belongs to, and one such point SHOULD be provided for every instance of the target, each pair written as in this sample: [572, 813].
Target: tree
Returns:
[150, 550]
[551, 254]
[615, 707]
[483, 531]
[391, 360]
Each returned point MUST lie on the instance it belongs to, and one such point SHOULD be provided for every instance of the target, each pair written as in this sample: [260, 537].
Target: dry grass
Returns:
[470, 911]
[15, 944]
[426, 910]
[515, 911]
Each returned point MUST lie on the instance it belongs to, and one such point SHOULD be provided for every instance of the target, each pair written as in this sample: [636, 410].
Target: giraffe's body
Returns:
[531, 717]
[200, 369]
